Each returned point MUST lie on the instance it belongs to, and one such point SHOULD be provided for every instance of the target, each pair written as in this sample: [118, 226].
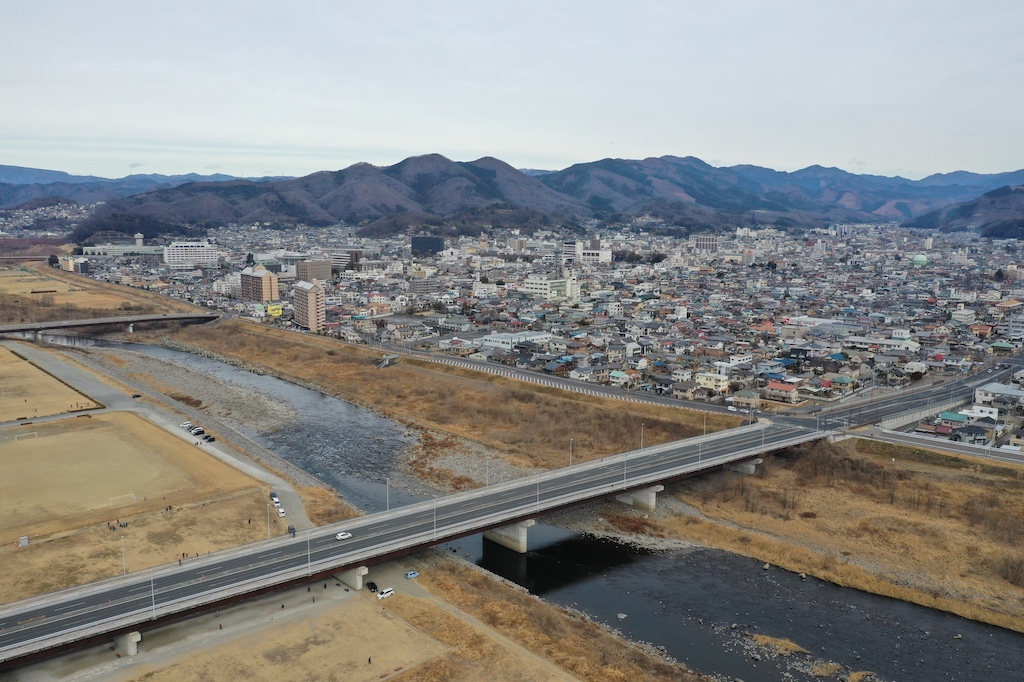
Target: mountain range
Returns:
[440, 195]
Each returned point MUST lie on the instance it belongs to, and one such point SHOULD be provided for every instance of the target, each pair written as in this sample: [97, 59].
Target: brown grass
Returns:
[30, 392]
[63, 478]
[532, 424]
[826, 669]
[84, 554]
[936, 535]
[571, 642]
[323, 505]
[861, 676]
[68, 296]
[783, 647]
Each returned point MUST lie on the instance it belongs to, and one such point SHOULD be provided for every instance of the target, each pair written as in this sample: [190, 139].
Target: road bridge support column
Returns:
[130, 642]
[749, 467]
[512, 537]
[130, 328]
[641, 499]
[354, 577]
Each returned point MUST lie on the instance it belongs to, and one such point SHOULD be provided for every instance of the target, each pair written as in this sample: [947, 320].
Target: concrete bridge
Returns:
[129, 321]
[121, 605]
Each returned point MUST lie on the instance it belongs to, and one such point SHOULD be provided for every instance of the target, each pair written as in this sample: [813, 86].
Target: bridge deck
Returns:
[34, 625]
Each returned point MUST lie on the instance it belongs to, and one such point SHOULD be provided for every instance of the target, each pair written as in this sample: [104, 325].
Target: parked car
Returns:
[210, 439]
[186, 425]
[385, 593]
[277, 503]
[136, 395]
[280, 512]
[371, 586]
[412, 574]
[343, 536]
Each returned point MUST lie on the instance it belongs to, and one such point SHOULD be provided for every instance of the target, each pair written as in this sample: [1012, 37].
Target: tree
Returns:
[53, 261]
[1000, 275]
[249, 260]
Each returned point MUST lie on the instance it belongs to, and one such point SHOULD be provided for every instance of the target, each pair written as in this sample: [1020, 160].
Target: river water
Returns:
[697, 604]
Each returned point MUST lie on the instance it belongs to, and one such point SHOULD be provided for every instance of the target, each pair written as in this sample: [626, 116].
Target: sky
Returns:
[252, 88]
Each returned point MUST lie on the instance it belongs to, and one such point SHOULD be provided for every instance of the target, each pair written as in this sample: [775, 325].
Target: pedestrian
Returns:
[369, 661]
[250, 521]
[179, 562]
[307, 588]
[220, 626]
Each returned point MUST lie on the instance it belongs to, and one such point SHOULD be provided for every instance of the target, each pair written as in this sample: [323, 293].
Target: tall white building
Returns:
[550, 287]
[191, 255]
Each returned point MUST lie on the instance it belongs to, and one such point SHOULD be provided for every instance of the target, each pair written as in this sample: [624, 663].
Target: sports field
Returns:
[26, 391]
[81, 471]
[35, 286]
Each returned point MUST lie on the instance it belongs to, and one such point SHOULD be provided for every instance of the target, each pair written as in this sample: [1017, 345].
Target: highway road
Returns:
[126, 602]
[100, 321]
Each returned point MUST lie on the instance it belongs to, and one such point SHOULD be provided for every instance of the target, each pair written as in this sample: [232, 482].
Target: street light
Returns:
[641, 435]
[387, 494]
[570, 452]
[268, 520]
[309, 555]
[124, 562]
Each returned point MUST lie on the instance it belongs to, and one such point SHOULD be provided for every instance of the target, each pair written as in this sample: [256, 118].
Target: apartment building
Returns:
[310, 303]
[259, 284]
[310, 270]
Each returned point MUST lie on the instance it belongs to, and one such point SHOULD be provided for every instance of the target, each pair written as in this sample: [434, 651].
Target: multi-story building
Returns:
[551, 288]
[310, 305]
[704, 242]
[191, 255]
[310, 270]
[259, 284]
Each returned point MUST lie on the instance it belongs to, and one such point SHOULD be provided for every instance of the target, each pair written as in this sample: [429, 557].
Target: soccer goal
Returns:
[122, 500]
[19, 436]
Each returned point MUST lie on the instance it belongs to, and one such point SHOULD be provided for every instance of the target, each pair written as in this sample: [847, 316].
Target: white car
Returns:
[277, 502]
[343, 536]
[186, 425]
[280, 512]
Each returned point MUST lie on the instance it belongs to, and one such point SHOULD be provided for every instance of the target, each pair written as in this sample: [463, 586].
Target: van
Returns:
[385, 593]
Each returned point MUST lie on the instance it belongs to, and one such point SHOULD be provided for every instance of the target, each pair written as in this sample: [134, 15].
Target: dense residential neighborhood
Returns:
[756, 319]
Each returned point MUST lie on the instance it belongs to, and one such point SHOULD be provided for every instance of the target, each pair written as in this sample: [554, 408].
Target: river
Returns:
[697, 604]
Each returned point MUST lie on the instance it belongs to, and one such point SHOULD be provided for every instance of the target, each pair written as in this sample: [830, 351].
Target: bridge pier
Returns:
[130, 642]
[130, 327]
[354, 577]
[641, 499]
[512, 537]
[749, 467]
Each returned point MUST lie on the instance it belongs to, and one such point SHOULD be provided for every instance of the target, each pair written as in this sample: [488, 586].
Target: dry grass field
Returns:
[329, 645]
[39, 293]
[86, 554]
[942, 531]
[64, 478]
[531, 424]
[29, 392]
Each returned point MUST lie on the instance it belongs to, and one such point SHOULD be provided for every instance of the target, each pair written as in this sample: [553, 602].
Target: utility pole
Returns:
[387, 494]
[570, 452]
[124, 562]
[268, 520]
[641, 435]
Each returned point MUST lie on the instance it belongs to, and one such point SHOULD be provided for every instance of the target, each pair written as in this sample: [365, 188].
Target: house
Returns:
[970, 435]
[714, 382]
[747, 399]
[780, 392]
[953, 420]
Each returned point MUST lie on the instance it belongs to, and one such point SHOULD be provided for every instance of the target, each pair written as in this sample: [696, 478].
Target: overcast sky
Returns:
[253, 88]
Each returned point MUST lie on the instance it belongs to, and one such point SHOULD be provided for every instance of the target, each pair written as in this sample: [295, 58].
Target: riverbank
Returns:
[848, 538]
[526, 424]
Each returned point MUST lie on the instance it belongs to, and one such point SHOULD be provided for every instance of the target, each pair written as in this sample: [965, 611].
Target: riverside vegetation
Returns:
[929, 528]
[530, 425]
